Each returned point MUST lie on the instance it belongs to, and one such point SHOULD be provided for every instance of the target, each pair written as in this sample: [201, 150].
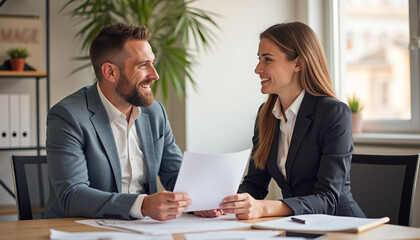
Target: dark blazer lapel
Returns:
[146, 146]
[272, 159]
[101, 124]
[301, 126]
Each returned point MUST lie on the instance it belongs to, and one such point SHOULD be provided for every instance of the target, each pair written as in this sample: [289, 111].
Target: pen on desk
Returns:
[299, 220]
[111, 224]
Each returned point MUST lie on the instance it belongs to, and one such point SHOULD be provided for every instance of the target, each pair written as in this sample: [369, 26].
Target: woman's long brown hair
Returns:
[294, 39]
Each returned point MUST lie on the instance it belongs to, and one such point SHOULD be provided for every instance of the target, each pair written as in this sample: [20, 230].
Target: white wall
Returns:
[63, 47]
[220, 113]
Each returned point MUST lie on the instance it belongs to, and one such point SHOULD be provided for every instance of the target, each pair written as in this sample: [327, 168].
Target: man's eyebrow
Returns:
[144, 61]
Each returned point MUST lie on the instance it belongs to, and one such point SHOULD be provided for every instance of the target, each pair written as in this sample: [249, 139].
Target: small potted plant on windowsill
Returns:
[17, 58]
[356, 108]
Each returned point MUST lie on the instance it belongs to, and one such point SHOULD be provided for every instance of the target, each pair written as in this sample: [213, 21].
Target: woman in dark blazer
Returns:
[303, 134]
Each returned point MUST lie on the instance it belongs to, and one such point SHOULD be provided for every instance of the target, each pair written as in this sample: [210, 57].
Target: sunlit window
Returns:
[377, 58]
[374, 54]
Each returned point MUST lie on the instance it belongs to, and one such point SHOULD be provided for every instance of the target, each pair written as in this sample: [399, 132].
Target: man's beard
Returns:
[132, 94]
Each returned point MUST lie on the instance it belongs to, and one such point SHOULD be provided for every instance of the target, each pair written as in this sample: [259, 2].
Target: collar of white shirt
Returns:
[294, 107]
[112, 112]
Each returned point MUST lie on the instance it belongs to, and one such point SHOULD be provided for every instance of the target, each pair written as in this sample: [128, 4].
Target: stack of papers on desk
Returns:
[60, 235]
[184, 224]
[322, 223]
[233, 235]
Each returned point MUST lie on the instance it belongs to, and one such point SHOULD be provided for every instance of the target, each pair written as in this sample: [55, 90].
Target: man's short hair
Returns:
[108, 45]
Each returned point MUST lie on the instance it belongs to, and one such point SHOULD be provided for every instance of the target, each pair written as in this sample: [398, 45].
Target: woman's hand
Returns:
[210, 213]
[243, 205]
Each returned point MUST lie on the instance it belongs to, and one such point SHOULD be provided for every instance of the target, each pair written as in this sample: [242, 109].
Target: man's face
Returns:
[138, 74]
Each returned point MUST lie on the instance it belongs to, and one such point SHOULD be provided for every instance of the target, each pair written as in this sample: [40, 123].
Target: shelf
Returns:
[5, 74]
[21, 148]
[37, 76]
[8, 209]
[11, 209]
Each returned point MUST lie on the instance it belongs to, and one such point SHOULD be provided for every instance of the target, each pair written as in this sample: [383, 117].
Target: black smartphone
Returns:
[306, 235]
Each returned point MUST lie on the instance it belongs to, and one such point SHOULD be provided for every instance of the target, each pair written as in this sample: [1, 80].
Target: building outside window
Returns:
[376, 61]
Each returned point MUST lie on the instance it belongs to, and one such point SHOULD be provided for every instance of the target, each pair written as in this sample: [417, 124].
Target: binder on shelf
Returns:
[24, 118]
[14, 120]
[4, 121]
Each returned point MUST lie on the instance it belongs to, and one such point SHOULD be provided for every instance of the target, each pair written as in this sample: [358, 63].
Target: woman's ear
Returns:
[109, 71]
[298, 65]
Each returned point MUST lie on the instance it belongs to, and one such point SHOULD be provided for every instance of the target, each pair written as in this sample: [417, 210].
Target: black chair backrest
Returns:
[31, 185]
[384, 185]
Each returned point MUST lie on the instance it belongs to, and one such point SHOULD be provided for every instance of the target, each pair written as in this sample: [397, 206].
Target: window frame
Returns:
[337, 67]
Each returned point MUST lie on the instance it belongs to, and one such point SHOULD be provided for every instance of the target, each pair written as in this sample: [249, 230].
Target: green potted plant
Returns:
[356, 108]
[17, 57]
[173, 24]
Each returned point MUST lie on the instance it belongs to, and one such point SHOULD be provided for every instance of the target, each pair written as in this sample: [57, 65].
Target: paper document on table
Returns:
[60, 235]
[185, 223]
[322, 223]
[233, 235]
[208, 178]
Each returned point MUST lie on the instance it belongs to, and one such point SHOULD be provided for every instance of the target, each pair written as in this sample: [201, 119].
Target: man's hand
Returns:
[210, 213]
[165, 205]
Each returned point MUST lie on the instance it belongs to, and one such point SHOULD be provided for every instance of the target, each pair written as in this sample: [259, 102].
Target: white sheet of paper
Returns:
[320, 223]
[208, 178]
[60, 235]
[184, 224]
[233, 235]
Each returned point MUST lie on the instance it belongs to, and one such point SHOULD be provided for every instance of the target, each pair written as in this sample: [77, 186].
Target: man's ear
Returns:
[109, 71]
[298, 65]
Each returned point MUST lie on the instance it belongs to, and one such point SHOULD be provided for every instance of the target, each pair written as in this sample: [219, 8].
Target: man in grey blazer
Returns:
[107, 143]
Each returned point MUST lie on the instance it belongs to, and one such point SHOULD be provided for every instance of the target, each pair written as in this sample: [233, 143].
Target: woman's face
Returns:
[277, 74]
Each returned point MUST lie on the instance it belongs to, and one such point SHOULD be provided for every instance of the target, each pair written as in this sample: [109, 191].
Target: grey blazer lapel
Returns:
[301, 126]
[146, 146]
[101, 124]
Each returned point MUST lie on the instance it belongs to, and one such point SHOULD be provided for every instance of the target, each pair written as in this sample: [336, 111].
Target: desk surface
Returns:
[40, 229]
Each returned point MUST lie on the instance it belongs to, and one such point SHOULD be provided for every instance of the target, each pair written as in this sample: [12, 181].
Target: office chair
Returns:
[30, 177]
[384, 185]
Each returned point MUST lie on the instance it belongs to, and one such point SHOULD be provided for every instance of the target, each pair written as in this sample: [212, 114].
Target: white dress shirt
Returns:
[286, 129]
[133, 169]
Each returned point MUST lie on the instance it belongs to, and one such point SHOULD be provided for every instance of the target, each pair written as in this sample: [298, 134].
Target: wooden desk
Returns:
[40, 229]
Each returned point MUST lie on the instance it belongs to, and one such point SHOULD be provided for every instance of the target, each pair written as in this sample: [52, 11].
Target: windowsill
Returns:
[387, 139]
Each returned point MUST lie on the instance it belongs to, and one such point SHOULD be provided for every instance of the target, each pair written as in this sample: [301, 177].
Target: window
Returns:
[377, 62]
